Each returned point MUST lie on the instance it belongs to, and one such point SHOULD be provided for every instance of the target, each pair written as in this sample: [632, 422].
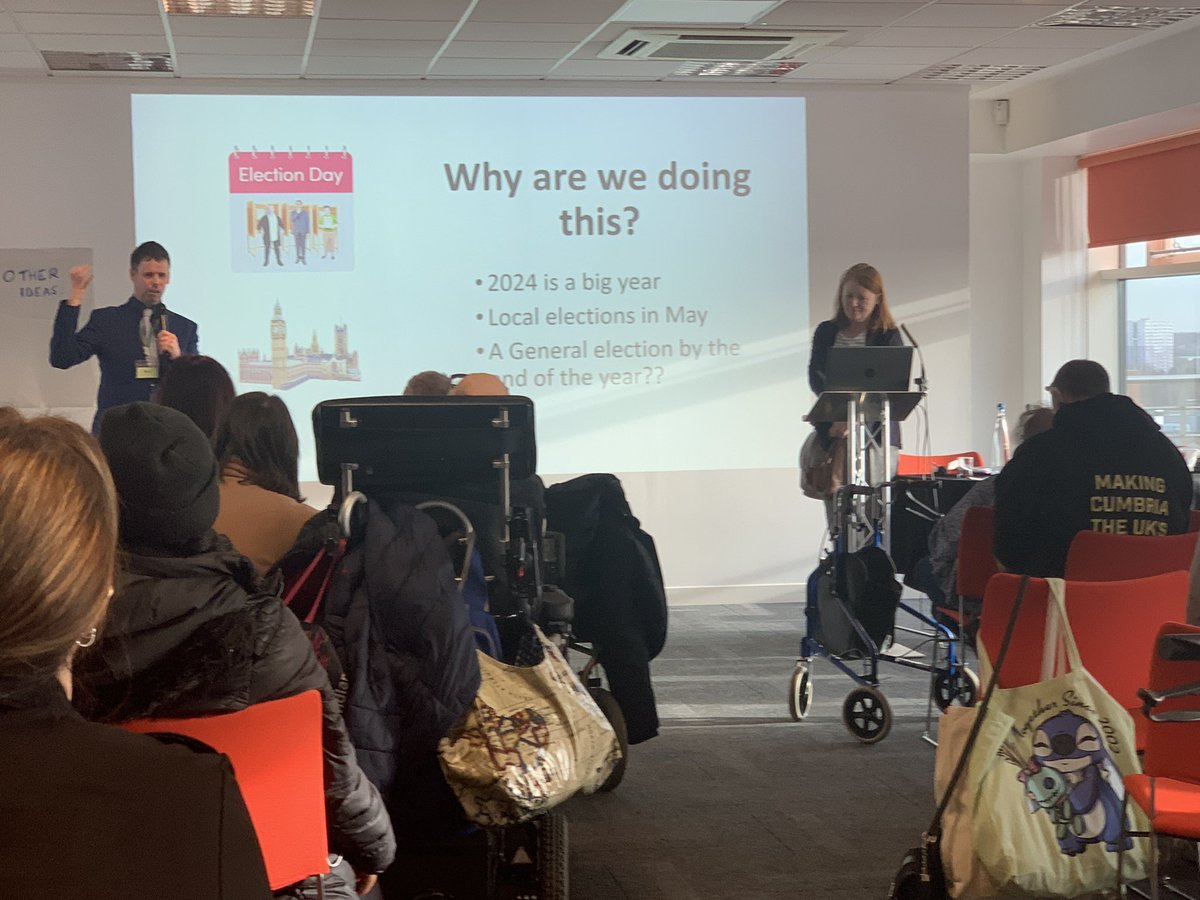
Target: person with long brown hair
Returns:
[861, 318]
[89, 810]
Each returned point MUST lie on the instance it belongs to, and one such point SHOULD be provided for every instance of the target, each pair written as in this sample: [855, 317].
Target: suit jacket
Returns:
[88, 810]
[111, 335]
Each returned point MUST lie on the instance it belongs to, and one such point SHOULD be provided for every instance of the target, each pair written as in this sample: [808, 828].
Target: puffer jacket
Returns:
[193, 635]
[397, 621]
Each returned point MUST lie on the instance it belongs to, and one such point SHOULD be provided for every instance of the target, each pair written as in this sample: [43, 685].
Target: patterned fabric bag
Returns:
[1044, 787]
[533, 738]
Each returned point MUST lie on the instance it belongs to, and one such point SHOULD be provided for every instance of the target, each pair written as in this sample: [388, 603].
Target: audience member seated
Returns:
[1104, 466]
[479, 384]
[200, 388]
[935, 574]
[261, 510]
[428, 384]
[88, 810]
[189, 633]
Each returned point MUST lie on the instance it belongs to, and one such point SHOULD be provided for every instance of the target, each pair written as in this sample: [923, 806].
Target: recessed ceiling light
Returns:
[739, 69]
[979, 72]
[71, 61]
[280, 8]
[1118, 17]
[694, 12]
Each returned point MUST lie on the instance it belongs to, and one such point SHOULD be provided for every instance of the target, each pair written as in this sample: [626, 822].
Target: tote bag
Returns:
[532, 738]
[1043, 795]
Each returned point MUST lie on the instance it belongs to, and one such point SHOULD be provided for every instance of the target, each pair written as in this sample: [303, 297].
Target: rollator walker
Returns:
[853, 594]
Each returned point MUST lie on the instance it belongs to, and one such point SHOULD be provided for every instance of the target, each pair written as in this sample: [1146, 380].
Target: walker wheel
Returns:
[867, 715]
[800, 695]
[962, 686]
[616, 718]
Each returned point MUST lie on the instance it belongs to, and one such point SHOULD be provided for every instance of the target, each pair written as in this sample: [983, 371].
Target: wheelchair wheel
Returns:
[800, 694]
[552, 858]
[962, 686]
[867, 715]
[612, 711]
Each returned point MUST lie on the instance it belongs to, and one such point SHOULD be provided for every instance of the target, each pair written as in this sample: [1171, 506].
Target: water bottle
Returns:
[1000, 445]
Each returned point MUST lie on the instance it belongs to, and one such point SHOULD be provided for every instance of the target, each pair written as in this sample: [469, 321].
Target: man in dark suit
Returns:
[134, 342]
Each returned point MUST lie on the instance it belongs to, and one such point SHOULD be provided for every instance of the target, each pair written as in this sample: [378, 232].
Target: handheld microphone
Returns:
[160, 317]
[922, 381]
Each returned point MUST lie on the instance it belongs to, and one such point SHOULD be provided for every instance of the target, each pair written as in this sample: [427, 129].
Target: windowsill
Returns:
[1192, 268]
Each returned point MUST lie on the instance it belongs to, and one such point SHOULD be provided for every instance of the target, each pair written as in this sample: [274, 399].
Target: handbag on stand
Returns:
[822, 470]
[532, 738]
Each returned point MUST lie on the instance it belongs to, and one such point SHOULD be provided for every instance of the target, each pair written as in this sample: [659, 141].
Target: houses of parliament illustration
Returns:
[284, 370]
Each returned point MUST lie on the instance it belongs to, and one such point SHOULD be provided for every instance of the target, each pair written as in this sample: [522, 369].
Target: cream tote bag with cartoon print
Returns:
[1047, 772]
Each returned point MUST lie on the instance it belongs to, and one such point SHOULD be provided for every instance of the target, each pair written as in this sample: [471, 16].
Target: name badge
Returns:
[142, 372]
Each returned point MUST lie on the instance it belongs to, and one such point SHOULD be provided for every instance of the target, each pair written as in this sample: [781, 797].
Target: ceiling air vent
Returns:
[981, 72]
[1118, 17]
[70, 61]
[714, 45]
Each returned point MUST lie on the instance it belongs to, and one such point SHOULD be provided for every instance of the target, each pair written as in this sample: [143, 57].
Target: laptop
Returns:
[868, 368]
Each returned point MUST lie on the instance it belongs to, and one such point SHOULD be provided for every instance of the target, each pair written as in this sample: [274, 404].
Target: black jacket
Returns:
[192, 635]
[1103, 466]
[88, 810]
[397, 621]
[822, 342]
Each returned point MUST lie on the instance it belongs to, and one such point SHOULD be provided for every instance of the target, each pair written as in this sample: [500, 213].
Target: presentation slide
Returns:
[637, 266]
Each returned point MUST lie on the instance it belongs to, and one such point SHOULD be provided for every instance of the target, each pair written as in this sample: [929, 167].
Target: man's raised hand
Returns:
[81, 280]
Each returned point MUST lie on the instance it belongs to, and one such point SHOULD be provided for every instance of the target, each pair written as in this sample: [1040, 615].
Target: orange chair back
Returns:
[275, 749]
[911, 464]
[1094, 556]
[976, 558]
[1114, 623]
[1171, 746]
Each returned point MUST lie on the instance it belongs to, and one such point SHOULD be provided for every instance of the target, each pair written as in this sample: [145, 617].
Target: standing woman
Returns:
[88, 810]
[861, 318]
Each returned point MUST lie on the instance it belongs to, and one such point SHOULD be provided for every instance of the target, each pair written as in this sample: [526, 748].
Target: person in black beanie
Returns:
[190, 631]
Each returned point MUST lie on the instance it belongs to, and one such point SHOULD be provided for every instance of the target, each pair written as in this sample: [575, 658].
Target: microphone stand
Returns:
[922, 381]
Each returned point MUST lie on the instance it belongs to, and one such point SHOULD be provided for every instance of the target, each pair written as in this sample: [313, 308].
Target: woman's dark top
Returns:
[89, 810]
[822, 342]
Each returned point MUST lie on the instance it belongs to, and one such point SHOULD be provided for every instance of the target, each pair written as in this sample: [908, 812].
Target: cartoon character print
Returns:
[505, 735]
[1072, 747]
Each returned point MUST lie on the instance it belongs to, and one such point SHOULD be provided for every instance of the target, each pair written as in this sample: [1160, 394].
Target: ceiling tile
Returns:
[211, 64]
[17, 59]
[979, 15]
[15, 43]
[604, 68]
[239, 26]
[240, 46]
[875, 73]
[101, 43]
[415, 10]
[365, 66]
[526, 68]
[900, 36]
[993, 55]
[831, 15]
[797, 12]
[585, 12]
[695, 13]
[61, 23]
[410, 49]
[502, 31]
[508, 49]
[7, 23]
[894, 56]
[384, 30]
[118, 7]
[1067, 37]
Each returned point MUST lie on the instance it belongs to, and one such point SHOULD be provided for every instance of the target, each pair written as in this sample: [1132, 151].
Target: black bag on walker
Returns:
[862, 589]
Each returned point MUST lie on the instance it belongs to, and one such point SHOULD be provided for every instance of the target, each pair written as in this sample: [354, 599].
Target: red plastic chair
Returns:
[976, 558]
[275, 749]
[1115, 624]
[1168, 789]
[1094, 556]
[911, 464]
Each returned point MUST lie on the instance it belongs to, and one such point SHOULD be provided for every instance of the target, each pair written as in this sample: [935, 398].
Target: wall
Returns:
[888, 184]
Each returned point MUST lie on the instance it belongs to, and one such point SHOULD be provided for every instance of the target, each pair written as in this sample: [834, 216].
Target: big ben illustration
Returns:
[279, 354]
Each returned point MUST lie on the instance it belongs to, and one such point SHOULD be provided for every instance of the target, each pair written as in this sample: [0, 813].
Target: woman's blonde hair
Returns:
[58, 540]
[868, 278]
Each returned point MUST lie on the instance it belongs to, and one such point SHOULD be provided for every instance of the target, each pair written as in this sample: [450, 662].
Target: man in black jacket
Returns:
[1104, 466]
[190, 632]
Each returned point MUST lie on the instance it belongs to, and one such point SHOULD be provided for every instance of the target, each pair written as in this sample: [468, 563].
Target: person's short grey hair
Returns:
[1034, 420]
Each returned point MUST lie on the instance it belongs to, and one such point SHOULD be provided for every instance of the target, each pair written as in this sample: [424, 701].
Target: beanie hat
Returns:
[165, 473]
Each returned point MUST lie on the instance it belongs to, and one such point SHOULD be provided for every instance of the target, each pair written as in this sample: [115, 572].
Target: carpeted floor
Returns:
[735, 800]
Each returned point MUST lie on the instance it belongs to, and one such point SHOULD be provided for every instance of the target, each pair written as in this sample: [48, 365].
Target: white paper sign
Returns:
[32, 284]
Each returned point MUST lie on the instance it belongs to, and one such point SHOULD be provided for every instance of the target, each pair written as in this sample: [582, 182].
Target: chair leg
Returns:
[1121, 847]
[320, 887]
[1153, 847]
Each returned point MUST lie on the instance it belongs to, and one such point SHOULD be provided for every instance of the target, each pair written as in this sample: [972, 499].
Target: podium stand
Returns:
[861, 411]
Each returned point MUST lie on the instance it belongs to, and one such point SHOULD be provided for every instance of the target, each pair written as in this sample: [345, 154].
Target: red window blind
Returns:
[1144, 192]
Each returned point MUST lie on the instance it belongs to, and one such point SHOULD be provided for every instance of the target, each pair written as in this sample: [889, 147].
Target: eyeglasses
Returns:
[455, 379]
